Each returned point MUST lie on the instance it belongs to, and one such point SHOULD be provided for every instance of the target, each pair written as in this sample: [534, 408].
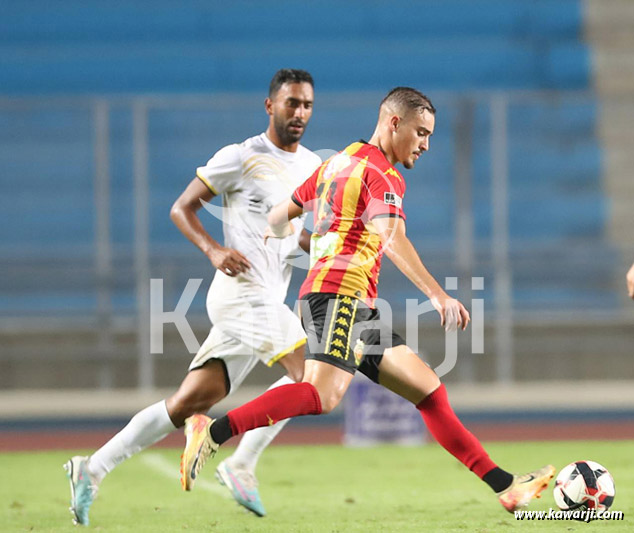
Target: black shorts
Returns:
[346, 333]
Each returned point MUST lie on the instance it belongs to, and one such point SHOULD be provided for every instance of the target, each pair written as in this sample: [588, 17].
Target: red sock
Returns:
[274, 405]
[447, 429]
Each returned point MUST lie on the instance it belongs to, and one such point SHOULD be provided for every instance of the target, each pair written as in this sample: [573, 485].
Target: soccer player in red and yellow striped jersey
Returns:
[356, 199]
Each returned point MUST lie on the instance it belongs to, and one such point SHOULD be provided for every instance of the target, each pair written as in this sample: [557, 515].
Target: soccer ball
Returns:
[584, 485]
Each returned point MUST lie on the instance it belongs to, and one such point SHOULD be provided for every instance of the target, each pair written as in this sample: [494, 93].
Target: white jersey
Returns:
[252, 177]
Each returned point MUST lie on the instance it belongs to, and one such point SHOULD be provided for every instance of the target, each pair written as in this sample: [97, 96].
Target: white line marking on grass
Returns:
[158, 463]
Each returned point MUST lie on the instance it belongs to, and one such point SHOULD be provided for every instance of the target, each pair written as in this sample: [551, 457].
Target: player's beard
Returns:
[284, 134]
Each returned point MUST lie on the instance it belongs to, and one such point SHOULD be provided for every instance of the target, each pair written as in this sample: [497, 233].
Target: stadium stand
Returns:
[208, 46]
[86, 48]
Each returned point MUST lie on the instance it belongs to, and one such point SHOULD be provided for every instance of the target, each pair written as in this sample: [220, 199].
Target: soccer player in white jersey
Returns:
[246, 298]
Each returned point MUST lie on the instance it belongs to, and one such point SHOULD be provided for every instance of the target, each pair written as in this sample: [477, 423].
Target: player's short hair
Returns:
[289, 75]
[406, 99]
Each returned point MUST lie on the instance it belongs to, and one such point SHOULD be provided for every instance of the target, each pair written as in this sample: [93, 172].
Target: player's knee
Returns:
[296, 374]
[293, 363]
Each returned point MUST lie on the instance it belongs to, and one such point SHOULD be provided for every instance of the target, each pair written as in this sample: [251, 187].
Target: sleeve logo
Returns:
[392, 172]
[391, 198]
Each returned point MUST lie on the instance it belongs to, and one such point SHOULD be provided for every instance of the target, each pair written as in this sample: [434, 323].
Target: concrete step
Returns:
[609, 22]
[619, 164]
[621, 229]
[615, 121]
[614, 70]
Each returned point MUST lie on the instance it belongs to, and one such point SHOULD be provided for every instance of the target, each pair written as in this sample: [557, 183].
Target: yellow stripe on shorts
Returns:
[284, 353]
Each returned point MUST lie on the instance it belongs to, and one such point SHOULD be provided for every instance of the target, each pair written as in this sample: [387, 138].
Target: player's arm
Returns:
[630, 282]
[279, 220]
[402, 253]
[304, 240]
[184, 214]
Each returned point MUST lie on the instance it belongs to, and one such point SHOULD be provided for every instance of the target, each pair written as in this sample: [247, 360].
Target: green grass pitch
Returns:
[307, 489]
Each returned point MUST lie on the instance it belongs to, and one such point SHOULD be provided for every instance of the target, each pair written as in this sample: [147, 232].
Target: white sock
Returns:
[256, 440]
[146, 427]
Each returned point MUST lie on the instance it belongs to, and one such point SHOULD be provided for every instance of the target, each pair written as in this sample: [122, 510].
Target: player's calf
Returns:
[201, 389]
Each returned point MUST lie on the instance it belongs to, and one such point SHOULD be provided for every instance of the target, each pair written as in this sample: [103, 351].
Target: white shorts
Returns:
[247, 333]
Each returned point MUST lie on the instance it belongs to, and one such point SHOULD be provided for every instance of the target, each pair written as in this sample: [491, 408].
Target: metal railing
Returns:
[133, 123]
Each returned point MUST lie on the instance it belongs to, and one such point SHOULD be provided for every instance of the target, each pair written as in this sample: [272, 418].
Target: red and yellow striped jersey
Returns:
[345, 194]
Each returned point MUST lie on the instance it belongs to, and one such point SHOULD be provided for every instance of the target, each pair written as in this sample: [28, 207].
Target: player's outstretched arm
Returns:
[184, 214]
[279, 220]
[401, 251]
[630, 282]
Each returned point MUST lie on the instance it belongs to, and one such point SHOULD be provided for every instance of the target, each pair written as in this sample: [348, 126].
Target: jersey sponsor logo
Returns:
[259, 206]
[391, 198]
[323, 246]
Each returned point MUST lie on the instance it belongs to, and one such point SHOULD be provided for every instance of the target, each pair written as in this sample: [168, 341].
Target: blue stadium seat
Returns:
[85, 47]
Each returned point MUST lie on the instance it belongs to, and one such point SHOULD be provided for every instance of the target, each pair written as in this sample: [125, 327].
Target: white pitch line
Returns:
[158, 463]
